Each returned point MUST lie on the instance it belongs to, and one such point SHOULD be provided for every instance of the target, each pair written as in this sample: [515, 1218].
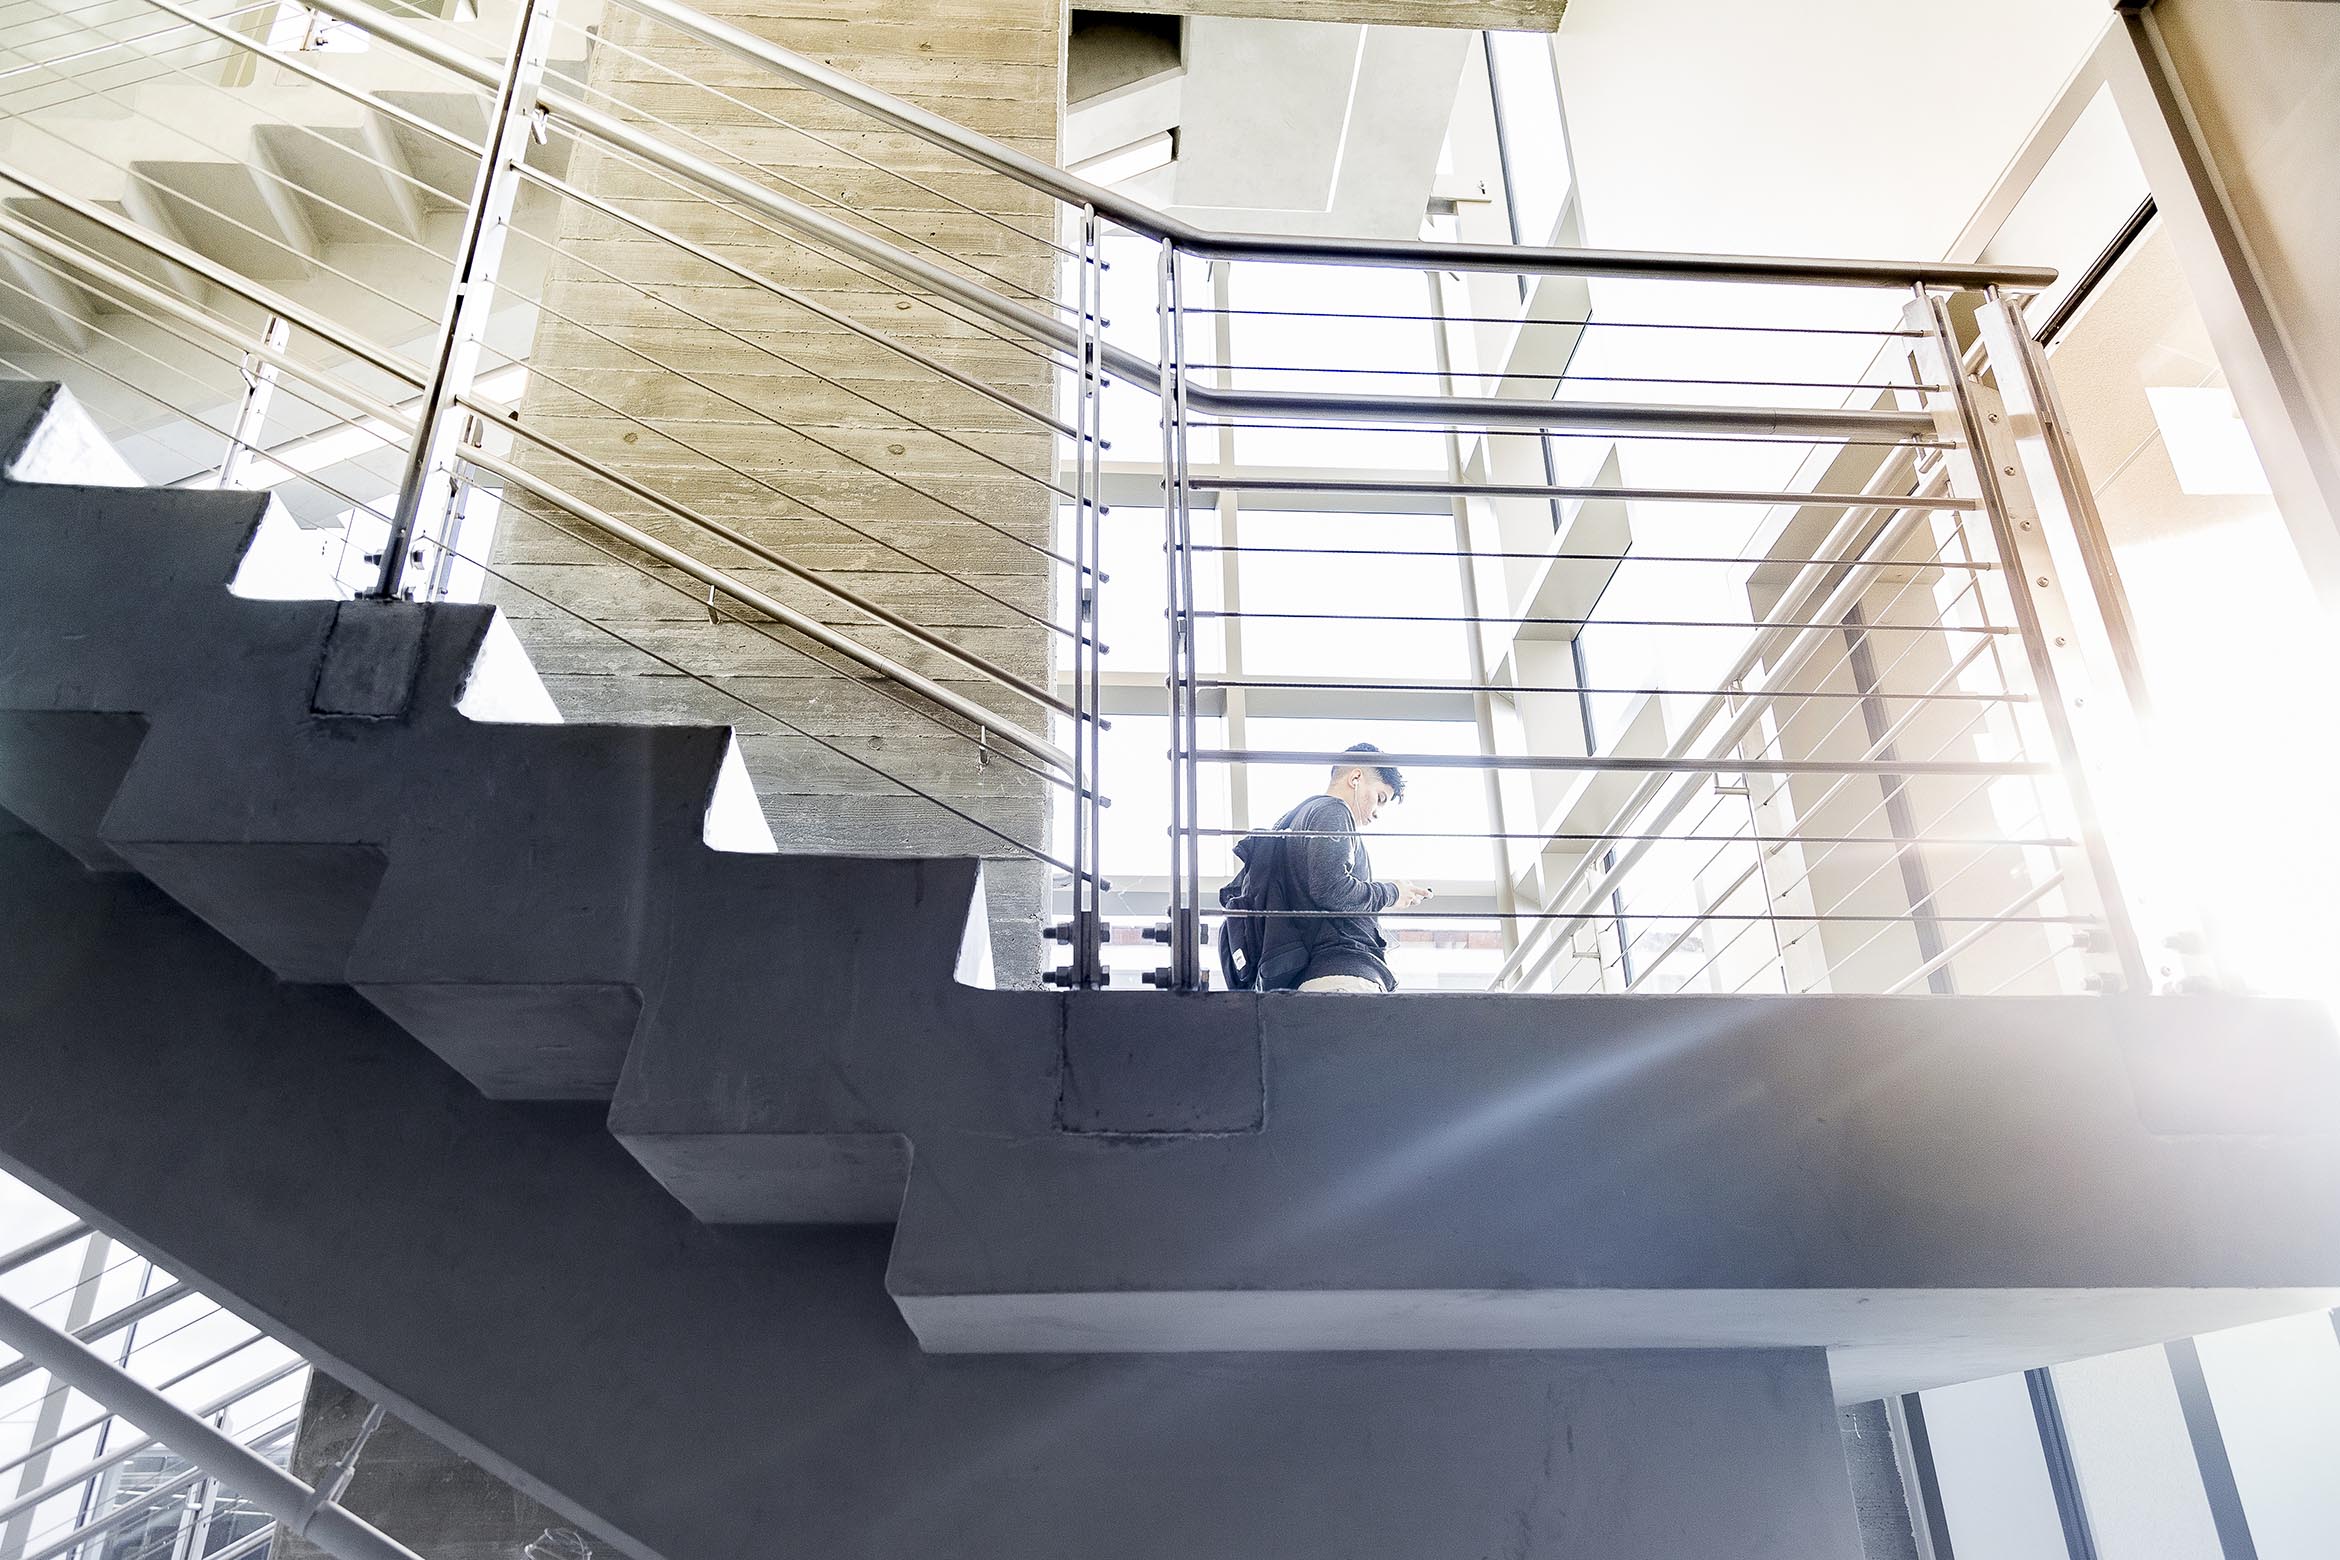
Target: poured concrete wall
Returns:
[412, 1488]
[754, 411]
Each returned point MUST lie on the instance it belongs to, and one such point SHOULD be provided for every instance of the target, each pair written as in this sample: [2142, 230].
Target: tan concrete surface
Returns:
[849, 459]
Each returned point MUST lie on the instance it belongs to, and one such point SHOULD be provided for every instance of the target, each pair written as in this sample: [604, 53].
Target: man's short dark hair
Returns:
[1388, 773]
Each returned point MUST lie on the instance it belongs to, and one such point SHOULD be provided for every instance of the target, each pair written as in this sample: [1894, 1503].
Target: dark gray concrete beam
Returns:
[507, 1278]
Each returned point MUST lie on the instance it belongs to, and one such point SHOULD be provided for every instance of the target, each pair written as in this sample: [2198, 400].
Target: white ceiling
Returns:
[1304, 127]
[1868, 128]
[1826, 127]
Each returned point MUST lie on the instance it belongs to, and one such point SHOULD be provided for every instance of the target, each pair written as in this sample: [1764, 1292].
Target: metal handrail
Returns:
[985, 719]
[112, 1322]
[31, 1499]
[1138, 217]
[982, 719]
[211, 1450]
[70, 1433]
[41, 1246]
[1033, 324]
[405, 119]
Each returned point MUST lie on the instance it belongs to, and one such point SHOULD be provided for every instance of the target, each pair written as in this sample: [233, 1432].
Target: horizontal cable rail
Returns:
[1618, 763]
[1207, 484]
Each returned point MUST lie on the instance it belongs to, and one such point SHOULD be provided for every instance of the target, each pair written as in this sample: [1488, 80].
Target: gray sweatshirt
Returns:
[1331, 873]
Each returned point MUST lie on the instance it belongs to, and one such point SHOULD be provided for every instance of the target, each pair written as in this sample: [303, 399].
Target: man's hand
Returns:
[1408, 895]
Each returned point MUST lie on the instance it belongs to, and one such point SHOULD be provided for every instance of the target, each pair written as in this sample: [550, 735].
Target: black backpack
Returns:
[1259, 884]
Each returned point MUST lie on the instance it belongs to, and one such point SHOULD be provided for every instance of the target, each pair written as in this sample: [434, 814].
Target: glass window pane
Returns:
[1130, 602]
[1994, 1477]
[2277, 1390]
[2220, 598]
[1535, 144]
[1332, 329]
[2138, 1478]
[1334, 563]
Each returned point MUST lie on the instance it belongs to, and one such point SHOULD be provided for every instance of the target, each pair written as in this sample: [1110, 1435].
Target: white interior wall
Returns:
[1829, 127]
[1313, 127]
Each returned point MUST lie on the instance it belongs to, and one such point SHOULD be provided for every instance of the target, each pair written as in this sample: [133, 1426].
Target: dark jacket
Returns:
[1320, 874]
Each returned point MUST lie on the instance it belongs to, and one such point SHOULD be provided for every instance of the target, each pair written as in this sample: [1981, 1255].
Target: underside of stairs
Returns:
[709, 1193]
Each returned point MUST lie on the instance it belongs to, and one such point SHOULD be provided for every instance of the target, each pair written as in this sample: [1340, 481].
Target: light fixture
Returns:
[1128, 162]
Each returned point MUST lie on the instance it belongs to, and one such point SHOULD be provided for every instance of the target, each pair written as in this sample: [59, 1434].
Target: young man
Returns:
[1314, 863]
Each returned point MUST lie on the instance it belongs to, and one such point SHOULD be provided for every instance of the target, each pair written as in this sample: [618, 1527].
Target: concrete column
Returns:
[816, 442]
[412, 1488]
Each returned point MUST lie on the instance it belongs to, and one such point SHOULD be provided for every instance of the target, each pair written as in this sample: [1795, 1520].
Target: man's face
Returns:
[1365, 794]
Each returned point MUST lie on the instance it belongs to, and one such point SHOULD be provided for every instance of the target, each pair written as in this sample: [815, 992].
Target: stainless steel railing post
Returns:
[1988, 465]
[1092, 582]
[1184, 926]
[2041, 434]
[1188, 937]
[259, 373]
[1087, 929]
[1186, 971]
[2102, 647]
[426, 486]
[1164, 269]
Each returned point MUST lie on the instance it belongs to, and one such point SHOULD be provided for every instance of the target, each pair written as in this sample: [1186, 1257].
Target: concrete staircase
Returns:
[707, 1193]
[260, 179]
[233, 155]
[324, 199]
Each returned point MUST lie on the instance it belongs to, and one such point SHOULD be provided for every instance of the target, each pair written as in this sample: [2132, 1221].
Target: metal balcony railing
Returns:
[1883, 767]
[196, 1410]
